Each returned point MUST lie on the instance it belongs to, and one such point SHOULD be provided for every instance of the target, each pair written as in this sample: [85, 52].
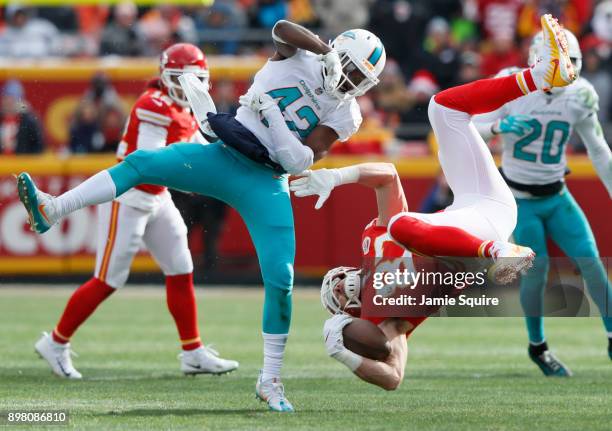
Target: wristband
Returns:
[348, 175]
[350, 359]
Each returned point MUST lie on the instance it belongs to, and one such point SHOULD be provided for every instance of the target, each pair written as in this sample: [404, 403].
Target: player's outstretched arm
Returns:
[599, 152]
[382, 177]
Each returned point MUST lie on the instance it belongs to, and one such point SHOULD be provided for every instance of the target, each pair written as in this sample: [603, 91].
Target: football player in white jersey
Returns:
[300, 103]
[535, 130]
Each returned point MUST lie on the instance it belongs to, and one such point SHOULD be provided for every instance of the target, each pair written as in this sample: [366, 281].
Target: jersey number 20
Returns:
[288, 96]
[547, 157]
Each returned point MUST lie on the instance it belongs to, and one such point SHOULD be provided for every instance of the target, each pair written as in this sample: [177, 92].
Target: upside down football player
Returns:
[146, 214]
[483, 206]
[301, 101]
[535, 131]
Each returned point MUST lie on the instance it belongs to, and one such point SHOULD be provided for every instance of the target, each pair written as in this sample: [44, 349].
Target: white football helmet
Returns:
[358, 50]
[352, 289]
[572, 45]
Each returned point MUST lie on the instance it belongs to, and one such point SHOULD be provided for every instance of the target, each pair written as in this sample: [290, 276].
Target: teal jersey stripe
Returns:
[376, 54]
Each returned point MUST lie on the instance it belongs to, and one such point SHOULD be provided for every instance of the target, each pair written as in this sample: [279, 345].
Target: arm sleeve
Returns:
[150, 136]
[345, 120]
[292, 155]
[599, 152]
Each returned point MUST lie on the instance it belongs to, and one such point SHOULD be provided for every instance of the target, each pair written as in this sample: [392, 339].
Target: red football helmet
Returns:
[178, 59]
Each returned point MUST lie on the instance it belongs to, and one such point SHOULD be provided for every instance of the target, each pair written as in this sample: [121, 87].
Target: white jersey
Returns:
[538, 157]
[297, 85]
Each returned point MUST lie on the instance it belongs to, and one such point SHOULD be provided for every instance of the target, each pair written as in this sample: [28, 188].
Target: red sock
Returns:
[180, 296]
[80, 306]
[431, 240]
[486, 95]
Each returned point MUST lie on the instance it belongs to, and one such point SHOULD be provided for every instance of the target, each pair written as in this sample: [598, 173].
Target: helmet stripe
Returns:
[375, 55]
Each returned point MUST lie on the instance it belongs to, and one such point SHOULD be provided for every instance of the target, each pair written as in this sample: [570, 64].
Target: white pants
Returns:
[483, 204]
[123, 228]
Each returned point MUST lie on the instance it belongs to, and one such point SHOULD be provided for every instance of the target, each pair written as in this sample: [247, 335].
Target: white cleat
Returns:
[555, 68]
[510, 259]
[272, 392]
[57, 356]
[205, 360]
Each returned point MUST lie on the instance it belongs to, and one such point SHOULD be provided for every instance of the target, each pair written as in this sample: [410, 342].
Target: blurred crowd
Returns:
[431, 45]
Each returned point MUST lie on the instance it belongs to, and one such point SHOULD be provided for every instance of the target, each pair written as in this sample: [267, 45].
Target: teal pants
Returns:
[560, 218]
[259, 194]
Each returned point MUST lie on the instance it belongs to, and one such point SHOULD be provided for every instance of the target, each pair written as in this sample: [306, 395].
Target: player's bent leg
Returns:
[570, 229]
[166, 239]
[467, 163]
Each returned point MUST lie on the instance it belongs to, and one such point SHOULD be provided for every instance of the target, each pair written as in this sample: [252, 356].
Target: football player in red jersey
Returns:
[483, 205]
[145, 214]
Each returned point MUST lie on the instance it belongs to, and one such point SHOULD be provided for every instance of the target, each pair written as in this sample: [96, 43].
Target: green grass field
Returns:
[462, 374]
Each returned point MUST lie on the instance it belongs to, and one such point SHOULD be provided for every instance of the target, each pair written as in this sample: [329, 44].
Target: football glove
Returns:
[318, 182]
[256, 101]
[332, 333]
[332, 70]
[517, 124]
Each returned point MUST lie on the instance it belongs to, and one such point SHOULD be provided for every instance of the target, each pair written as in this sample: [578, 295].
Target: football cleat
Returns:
[205, 360]
[550, 365]
[57, 356]
[510, 259]
[39, 205]
[272, 392]
[555, 67]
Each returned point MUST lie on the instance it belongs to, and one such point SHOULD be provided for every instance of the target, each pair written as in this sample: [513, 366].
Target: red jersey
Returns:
[156, 121]
[376, 242]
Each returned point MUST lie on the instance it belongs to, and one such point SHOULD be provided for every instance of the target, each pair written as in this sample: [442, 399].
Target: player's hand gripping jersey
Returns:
[296, 83]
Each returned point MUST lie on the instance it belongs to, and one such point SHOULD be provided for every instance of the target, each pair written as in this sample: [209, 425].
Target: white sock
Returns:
[274, 350]
[609, 334]
[93, 191]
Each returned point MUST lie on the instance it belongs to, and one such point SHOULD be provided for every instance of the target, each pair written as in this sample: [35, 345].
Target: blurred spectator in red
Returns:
[20, 131]
[501, 53]
[499, 18]
[122, 36]
[92, 19]
[164, 25]
[439, 56]
[224, 18]
[102, 103]
[338, 16]
[26, 36]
